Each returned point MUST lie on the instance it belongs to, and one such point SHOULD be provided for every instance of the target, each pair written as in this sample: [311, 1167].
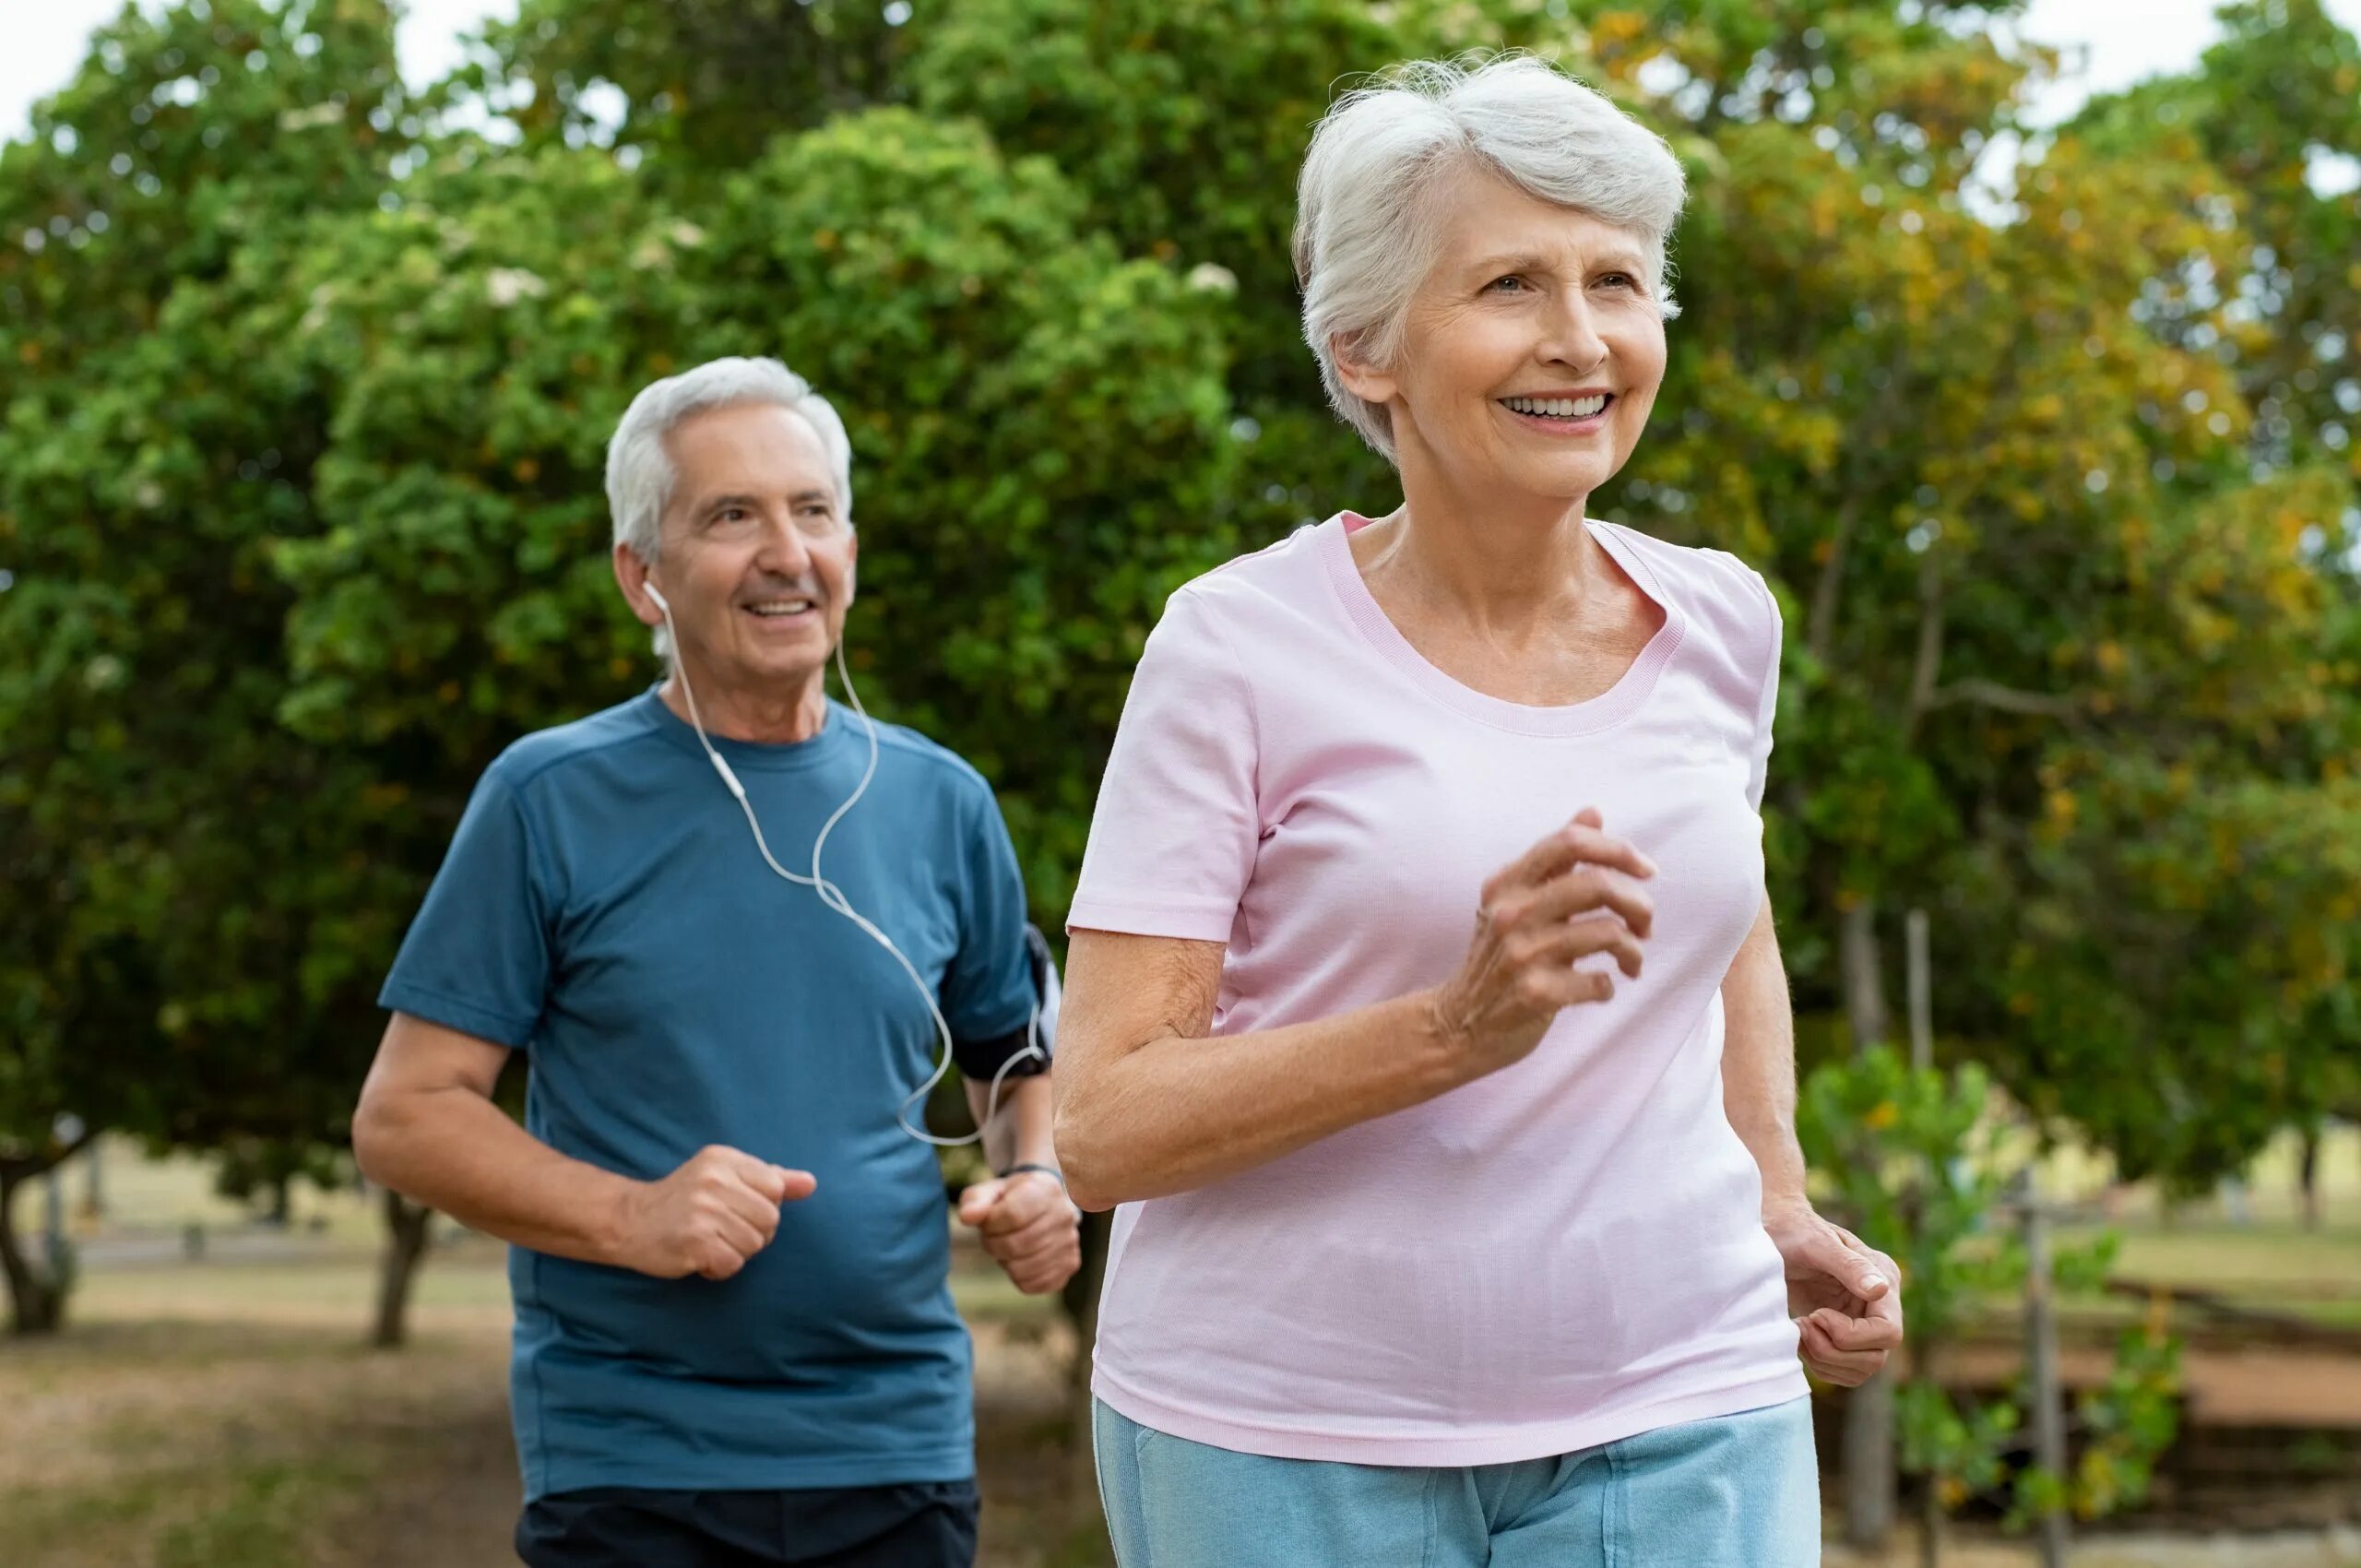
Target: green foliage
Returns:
[1915, 1155]
[163, 835]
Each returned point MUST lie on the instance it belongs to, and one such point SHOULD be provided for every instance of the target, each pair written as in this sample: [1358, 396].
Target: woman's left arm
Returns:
[1840, 1290]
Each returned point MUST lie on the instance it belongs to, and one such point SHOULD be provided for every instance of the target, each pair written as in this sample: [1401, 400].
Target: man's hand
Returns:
[718, 1210]
[1845, 1296]
[1029, 1226]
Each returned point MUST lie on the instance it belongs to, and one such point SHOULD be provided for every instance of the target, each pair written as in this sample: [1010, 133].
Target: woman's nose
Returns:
[1574, 340]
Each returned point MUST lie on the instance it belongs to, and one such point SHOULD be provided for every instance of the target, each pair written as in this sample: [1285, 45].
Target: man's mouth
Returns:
[783, 609]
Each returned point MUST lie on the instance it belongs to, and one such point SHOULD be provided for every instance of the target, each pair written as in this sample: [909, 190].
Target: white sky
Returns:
[42, 41]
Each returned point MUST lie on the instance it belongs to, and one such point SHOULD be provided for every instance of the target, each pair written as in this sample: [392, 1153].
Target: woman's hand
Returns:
[1569, 896]
[1841, 1291]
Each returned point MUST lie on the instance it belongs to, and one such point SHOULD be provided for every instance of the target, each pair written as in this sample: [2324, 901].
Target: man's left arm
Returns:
[1029, 1225]
[1843, 1292]
[1026, 1222]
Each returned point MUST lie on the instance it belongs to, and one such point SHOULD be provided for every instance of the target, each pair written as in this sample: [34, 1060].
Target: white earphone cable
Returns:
[834, 896]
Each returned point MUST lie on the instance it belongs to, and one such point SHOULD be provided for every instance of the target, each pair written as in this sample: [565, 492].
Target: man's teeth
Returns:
[1559, 407]
[781, 606]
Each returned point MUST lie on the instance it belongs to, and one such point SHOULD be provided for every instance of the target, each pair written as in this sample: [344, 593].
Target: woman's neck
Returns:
[1494, 562]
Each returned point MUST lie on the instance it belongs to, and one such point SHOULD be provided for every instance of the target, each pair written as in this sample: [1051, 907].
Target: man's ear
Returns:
[631, 576]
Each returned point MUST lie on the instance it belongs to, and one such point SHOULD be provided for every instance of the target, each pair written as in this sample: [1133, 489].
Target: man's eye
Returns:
[1511, 284]
[1619, 280]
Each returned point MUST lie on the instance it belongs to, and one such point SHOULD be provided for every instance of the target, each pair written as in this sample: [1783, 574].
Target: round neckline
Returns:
[1592, 714]
[774, 756]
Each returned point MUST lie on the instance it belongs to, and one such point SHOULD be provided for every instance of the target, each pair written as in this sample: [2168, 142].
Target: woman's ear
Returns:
[1362, 379]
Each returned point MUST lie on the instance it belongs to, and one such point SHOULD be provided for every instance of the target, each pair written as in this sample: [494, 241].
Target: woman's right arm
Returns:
[1149, 1103]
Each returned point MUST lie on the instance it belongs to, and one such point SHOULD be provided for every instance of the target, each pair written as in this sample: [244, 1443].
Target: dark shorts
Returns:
[928, 1524]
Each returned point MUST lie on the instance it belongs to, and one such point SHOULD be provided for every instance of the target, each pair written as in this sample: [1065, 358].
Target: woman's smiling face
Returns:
[1532, 353]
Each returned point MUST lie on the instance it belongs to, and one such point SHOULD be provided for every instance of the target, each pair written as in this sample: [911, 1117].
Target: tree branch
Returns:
[1991, 694]
[1928, 667]
[1821, 633]
[20, 1167]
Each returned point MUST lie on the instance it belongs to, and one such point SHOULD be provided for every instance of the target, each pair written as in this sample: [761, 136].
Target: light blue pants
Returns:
[1737, 1491]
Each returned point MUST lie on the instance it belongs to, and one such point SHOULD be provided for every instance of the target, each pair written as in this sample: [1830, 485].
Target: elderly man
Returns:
[734, 1339]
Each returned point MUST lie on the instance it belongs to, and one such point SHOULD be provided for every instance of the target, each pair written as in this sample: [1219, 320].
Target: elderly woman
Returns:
[1440, 1248]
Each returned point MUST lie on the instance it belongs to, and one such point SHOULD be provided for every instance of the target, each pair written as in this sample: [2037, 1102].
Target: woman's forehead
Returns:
[1489, 219]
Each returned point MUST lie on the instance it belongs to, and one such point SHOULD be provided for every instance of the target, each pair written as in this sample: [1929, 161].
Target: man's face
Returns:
[755, 552]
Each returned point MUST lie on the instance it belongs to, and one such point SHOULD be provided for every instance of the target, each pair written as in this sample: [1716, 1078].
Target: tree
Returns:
[157, 819]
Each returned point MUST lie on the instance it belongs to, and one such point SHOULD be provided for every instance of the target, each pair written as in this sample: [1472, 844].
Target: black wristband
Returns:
[1044, 1170]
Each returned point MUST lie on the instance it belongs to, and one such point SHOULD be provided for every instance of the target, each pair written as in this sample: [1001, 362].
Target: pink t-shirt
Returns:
[1565, 1252]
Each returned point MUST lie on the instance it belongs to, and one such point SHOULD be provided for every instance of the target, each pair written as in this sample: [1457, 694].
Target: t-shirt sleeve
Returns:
[1767, 709]
[477, 958]
[1172, 842]
[988, 991]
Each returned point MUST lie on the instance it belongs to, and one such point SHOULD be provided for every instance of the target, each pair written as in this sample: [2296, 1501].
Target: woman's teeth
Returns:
[1557, 407]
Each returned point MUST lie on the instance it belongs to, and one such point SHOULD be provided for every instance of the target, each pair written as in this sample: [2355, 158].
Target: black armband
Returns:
[980, 1060]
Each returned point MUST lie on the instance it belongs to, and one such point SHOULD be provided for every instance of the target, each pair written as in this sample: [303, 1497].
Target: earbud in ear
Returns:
[657, 595]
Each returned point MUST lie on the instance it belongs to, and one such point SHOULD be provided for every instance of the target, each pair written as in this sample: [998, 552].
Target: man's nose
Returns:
[785, 552]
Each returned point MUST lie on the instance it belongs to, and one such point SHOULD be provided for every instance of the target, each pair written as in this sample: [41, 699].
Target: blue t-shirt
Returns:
[603, 908]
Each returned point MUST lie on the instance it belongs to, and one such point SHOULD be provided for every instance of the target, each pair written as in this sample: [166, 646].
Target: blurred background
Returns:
[2018, 351]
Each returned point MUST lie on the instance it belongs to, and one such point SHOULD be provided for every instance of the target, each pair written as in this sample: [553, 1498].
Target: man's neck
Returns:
[770, 716]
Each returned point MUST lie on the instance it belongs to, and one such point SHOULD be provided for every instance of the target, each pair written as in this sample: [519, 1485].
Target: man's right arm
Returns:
[427, 1128]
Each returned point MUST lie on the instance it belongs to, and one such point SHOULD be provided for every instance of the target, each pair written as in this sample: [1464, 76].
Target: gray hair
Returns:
[1365, 235]
[640, 475]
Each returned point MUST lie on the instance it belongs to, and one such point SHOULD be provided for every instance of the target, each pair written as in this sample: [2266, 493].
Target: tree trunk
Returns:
[1869, 1462]
[406, 1231]
[1870, 1479]
[94, 1197]
[1930, 1498]
[1865, 1007]
[36, 1303]
[2308, 1180]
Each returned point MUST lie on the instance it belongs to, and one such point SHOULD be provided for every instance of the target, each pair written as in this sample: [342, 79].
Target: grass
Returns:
[182, 1443]
[227, 1415]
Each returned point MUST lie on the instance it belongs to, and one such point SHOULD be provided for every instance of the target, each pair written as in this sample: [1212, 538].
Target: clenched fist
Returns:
[718, 1210]
[1027, 1225]
[1576, 895]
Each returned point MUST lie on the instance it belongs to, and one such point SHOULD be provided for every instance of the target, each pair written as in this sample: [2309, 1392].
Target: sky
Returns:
[42, 41]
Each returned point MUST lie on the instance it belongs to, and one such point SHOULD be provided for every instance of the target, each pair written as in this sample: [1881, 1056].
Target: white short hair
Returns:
[640, 475]
[1365, 235]
[639, 468]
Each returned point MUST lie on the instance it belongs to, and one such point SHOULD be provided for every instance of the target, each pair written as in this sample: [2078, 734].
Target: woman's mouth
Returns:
[1570, 416]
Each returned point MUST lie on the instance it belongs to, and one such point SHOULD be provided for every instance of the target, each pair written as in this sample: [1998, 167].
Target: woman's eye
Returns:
[1508, 285]
[1617, 279]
